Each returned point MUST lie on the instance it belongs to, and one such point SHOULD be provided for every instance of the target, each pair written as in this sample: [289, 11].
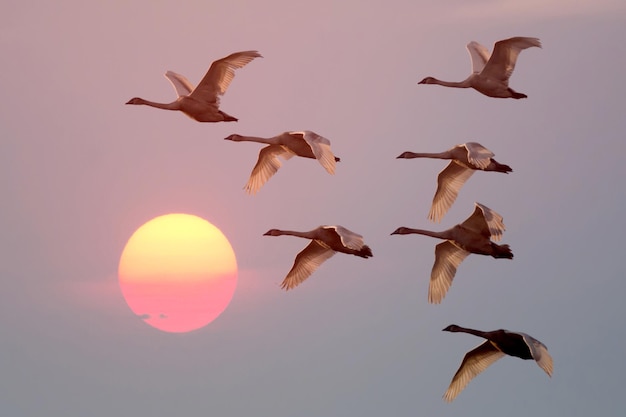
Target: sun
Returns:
[178, 272]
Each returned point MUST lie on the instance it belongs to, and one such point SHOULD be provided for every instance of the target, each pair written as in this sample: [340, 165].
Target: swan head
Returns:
[234, 137]
[428, 80]
[451, 328]
[272, 232]
[402, 231]
[406, 155]
[135, 100]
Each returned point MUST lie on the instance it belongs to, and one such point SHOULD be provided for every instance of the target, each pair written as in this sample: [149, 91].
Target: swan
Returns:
[202, 103]
[306, 144]
[498, 344]
[465, 159]
[490, 74]
[325, 242]
[471, 236]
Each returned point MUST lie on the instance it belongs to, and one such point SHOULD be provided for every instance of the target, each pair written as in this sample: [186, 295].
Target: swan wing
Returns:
[449, 182]
[348, 238]
[502, 62]
[539, 352]
[266, 166]
[447, 258]
[320, 146]
[486, 222]
[479, 56]
[478, 155]
[307, 261]
[495, 222]
[180, 83]
[474, 362]
[220, 74]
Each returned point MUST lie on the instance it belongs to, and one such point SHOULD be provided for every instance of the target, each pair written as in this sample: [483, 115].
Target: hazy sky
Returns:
[81, 171]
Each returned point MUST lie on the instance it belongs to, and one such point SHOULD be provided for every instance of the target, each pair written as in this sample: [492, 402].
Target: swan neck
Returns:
[437, 155]
[439, 235]
[458, 84]
[166, 106]
[472, 331]
[306, 235]
[258, 139]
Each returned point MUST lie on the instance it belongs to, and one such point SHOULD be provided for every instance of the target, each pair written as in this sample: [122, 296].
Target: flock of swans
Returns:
[490, 76]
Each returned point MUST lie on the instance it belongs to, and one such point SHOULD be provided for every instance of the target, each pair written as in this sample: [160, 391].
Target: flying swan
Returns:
[498, 344]
[465, 160]
[472, 236]
[490, 74]
[306, 144]
[202, 103]
[325, 242]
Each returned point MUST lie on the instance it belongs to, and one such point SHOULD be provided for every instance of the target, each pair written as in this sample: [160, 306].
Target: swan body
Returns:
[498, 344]
[465, 160]
[325, 242]
[472, 236]
[490, 73]
[202, 102]
[305, 143]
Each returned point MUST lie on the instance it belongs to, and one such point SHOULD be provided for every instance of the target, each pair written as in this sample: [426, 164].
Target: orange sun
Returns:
[178, 272]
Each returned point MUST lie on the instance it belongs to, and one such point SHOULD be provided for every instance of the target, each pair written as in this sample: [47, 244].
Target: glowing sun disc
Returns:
[178, 272]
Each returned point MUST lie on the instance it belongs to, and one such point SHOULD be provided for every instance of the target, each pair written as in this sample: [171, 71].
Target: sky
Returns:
[81, 172]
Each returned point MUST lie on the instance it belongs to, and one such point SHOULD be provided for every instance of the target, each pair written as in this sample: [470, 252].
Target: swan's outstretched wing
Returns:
[220, 74]
[504, 56]
[321, 149]
[266, 166]
[180, 83]
[474, 362]
[479, 56]
[539, 352]
[349, 239]
[478, 155]
[447, 259]
[449, 182]
[486, 222]
[495, 222]
[307, 261]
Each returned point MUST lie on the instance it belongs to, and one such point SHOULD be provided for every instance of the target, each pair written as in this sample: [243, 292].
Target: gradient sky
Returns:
[81, 172]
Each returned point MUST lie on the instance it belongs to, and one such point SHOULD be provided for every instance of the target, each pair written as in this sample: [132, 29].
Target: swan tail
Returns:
[228, 117]
[516, 95]
[501, 251]
[364, 252]
[497, 166]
